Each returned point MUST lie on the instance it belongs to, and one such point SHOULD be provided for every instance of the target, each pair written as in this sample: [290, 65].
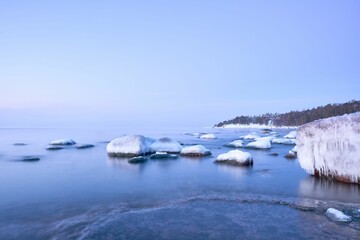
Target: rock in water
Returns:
[65, 141]
[284, 141]
[235, 157]
[53, 148]
[139, 159]
[129, 146]
[291, 134]
[208, 136]
[167, 145]
[331, 147]
[195, 151]
[260, 144]
[235, 144]
[84, 146]
[337, 216]
[290, 155]
[163, 155]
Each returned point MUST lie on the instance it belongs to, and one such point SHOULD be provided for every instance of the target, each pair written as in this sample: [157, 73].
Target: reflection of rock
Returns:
[324, 188]
[123, 164]
[331, 147]
[337, 216]
[235, 171]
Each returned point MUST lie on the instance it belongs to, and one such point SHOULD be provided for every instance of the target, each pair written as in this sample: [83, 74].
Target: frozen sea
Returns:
[84, 194]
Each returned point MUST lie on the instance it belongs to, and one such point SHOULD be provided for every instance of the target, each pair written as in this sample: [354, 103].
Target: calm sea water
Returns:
[84, 194]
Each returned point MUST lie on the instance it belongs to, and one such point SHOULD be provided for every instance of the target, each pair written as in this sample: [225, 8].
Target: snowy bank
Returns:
[235, 157]
[195, 151]
[135, 145]
[331, 147]
[166, 145]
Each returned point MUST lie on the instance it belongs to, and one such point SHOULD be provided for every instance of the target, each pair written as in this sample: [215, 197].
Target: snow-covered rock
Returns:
[290, 155]
[291, 134]
[208, 136]
[195, 151]
[250, 136]
[235, 157]
[267, 138]
[163, 155]
[331, 147]
[236, 144]
[65, 141]
[135, 145]
[337, 215]
[83, 146]
[260, 144]
[284, 141]
[166, 145]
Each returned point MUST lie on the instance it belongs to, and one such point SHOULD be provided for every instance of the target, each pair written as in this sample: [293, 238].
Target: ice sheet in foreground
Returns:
[331, 147]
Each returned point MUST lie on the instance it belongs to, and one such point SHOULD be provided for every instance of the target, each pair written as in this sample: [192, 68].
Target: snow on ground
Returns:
[337, 216]
[284, 141]
[236, 144]
[331, 147]
[65, 141]
[134, 145]
[195, 150]
[260, 144]
[166, 145]
[208, 136]
[291, 134]
[235, 157]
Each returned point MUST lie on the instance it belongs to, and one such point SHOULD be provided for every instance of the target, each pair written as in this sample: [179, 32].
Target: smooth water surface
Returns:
[84, 194]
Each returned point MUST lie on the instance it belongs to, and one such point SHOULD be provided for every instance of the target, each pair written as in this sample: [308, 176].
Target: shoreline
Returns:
[256, 126]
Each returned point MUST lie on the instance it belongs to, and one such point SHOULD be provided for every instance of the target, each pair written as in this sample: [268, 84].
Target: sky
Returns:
[173, 63]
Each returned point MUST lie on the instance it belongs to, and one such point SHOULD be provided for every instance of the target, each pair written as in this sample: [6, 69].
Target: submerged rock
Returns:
[274, 154]
[53, 148]
[331, 147]
[166, 145]
[235, 144]
[208, 136]
[30, 159]
[195, 151]
[260, 144]
[65, 141]
[19, 144]
[337, 216]
[84, 146]
[139, 159]
[129, 146]
[163, 155]
[235, 157]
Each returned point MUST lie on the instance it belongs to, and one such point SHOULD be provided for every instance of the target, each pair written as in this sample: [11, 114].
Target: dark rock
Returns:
[19, 144]
[274, 154]
[163, 156]
[30, 159]
[84, 146]
[54, 148]
[139, 159]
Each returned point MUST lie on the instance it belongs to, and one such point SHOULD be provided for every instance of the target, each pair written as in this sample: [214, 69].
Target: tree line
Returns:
[296, 118]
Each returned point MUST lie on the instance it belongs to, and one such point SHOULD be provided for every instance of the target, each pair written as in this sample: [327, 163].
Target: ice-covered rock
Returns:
[291, 134]
[235, 157]
[260, 144]
[331, 147]
[294, 149]
[250, 136]
[195, 151]
[166, 145]
[84, 146]
[54, 147]
[267, 138]
[337, 215]
[65, 141]
[236, 144]
[135, 145]
[163, 155]
[138, 159]
[290, 155]
[284, 141]
[208, 136]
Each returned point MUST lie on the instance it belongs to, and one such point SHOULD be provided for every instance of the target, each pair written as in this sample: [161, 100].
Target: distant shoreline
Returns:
[256, 126]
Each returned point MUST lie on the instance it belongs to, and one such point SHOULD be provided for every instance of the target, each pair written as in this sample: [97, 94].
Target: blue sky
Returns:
[173, 63]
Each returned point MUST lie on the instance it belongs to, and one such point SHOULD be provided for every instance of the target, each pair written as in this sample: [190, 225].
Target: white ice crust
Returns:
[235, 155]
[337, 215]
[195, 150]
[260, 144]
[331, 147]
[130, 145]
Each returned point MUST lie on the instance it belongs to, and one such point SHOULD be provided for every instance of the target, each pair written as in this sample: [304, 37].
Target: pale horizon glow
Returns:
[173, 63]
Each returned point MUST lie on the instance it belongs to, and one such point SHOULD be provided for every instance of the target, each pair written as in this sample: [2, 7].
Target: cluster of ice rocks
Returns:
[66, 142]
[331, 147]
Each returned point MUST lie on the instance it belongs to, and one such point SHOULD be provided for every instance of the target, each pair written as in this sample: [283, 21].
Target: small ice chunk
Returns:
[235, 157]
[236, 144]
[291, 134]
[195, 151]
[260, 144]
[208, 136]
[337, 215]
[65, 141]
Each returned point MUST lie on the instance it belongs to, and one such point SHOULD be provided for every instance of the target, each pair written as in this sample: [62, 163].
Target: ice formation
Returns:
[236, 144]
[284, 141]
[260, 144]
[208, 136]
[291, 134]
[337, 216]
[235, 157]
[135, 145]
[331, 147]
[166, 145]
[65, 141]
[196, 150]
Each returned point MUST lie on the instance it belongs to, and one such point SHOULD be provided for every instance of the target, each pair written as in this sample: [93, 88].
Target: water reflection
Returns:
[324, 188]
[123, 164]
[235, 171]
